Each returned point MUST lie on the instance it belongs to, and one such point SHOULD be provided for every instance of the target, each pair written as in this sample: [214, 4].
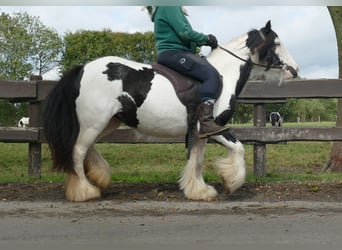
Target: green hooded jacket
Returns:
[172, 30]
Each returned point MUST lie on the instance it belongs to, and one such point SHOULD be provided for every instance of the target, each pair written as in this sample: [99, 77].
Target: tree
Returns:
[46, 45]
[243, 113]
[15, 44]
[334, 163]
[84, 46]
[27, 46]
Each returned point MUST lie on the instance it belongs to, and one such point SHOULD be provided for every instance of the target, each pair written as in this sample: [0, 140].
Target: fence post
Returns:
[259, 148]
[35, 148]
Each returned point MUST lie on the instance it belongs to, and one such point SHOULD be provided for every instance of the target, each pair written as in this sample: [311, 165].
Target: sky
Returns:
[306, 30]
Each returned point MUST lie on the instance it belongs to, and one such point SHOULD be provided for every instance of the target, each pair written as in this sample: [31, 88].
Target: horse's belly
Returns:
[162, 124]
[162, 114]
[162, 131]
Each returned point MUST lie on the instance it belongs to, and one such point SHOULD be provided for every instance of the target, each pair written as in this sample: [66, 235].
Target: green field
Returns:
[295, 161]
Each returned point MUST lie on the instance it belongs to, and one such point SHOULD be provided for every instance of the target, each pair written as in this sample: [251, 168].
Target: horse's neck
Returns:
[227, 64]
[230, 68]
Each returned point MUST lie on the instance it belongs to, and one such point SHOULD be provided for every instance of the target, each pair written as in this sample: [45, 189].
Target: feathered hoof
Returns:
[99, 177]
[230, 185]
[97, 169]
[203, 193]
[80, 191]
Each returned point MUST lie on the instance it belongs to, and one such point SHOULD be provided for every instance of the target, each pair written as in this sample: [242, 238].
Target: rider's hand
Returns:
[212, 41]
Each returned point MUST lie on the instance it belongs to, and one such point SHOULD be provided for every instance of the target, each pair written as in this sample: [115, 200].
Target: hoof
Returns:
[80, 191]
[212, 198]
[204, 193]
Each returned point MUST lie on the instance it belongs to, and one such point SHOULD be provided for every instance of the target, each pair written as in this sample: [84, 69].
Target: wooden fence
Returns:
[257, 93]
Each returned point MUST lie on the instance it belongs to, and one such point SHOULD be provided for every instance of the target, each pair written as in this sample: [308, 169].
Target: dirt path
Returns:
[250, 192]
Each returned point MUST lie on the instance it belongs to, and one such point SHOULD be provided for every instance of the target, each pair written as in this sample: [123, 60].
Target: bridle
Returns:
[282, 65]
[249, 61]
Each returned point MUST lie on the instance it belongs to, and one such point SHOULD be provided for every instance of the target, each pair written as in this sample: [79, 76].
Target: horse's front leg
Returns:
[232, 168]
[192, 182]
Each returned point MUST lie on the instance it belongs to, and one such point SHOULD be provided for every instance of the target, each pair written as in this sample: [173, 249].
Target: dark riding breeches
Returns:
[193, 66]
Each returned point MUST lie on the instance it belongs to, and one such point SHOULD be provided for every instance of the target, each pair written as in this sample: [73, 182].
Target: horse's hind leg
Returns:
[96, 167]
[232, 168]
[192, 182]
[78, 188]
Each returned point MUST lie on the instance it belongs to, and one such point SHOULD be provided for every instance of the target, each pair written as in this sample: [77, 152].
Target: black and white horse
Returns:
[275, 119]
[93, 100]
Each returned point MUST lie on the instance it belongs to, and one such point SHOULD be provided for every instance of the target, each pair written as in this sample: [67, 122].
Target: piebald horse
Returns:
[94, 99]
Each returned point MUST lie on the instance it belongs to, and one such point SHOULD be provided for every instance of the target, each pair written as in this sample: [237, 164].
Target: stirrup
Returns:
[217, 132]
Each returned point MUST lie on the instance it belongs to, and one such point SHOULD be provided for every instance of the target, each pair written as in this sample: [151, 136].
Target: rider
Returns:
[176, 43]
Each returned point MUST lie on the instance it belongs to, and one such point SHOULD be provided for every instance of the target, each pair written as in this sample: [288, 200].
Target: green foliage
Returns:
[15, 46]
[243, 113]
[26, 46]
[84, 46]
[46, 47]
[6, 114]
[10, 113]
[309, 110]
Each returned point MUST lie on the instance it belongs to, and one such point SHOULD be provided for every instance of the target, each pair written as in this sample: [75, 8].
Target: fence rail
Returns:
[257, 93]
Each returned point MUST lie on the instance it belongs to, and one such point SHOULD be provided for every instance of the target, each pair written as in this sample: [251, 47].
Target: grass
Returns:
[294, 161]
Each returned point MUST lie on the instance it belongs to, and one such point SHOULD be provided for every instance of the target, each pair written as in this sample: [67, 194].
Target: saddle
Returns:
[187, 88]
[188, 92]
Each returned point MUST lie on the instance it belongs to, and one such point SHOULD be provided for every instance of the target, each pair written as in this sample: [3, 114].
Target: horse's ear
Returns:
[268, 26]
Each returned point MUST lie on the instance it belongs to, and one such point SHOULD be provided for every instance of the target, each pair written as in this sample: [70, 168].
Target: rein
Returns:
[247, 61]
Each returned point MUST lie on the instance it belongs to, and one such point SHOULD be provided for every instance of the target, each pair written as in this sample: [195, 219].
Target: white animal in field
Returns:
[24, 122]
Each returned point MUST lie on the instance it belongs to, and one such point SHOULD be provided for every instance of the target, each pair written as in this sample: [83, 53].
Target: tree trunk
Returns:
[335, 161]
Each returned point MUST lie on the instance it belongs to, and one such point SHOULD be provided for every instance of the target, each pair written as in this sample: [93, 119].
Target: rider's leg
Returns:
[200, 69]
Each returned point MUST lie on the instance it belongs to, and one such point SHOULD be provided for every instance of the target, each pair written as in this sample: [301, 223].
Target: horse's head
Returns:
[267, 50]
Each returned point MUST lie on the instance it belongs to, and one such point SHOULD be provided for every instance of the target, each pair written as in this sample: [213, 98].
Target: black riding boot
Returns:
[208, 126]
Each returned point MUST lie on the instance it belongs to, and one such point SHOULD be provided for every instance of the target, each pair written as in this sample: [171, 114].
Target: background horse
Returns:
[93, 100]
[275, 119]
[24, 122]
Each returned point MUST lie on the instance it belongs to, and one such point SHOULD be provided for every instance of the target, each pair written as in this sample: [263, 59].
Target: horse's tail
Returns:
[60, 120]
